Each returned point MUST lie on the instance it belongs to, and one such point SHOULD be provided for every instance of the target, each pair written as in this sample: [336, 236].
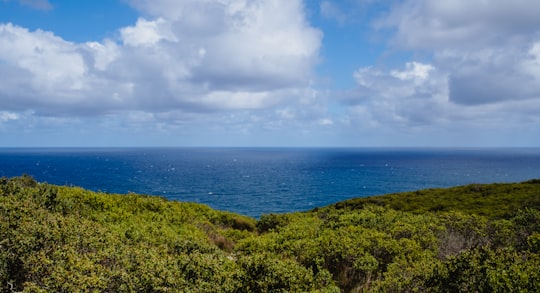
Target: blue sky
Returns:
[270, 73]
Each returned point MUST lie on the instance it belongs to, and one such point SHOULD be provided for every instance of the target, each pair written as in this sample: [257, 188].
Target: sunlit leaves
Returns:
[60, 239]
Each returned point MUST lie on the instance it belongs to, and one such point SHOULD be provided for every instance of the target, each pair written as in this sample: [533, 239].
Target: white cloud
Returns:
[331, 11]
[433, 24]
[326, 122]
[41, 69]
[413, 96]
[35, 4]
[486, 48]
[418, 103]
[531, 65]
[7, 116]
[48, 58]
[147, 33]
[417, 72]
[185, 55]
[245, 68]
[102, 54]
[263, 45]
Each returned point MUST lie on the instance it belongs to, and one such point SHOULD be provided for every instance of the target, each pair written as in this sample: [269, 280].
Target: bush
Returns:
[64, 239]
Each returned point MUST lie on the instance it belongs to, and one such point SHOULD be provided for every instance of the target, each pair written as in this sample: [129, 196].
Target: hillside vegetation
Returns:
[483, 238]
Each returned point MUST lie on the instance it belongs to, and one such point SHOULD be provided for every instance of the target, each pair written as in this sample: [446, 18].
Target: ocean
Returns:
[255, 181]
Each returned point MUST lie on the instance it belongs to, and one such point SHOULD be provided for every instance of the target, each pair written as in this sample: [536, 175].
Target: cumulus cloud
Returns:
[37, 65]
[432, 24]
[147, 33]
[238, 44]
[480, 72]
[413, 103]
[242, 67]
[486, 48]
[492, 74]
[191, 56]
[404, 97]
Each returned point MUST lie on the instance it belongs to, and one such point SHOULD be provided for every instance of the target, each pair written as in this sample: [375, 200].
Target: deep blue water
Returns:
[254, 181]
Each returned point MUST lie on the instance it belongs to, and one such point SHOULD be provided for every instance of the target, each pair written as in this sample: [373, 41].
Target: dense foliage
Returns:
[483, 238]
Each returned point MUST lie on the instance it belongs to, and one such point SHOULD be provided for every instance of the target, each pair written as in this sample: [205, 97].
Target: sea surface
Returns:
[255, 181]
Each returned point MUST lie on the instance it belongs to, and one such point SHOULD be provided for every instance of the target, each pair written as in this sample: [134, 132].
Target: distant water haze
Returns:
[255, 181]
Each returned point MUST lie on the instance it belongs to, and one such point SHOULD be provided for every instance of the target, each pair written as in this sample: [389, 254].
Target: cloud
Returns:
[7, 116]
[412, 96]
[417, 104]
[245, 70]
[38, 65]
[239, 45]
[331, 11]
[489, 50]
[432, 24]
[147, 33]
[35, 4]
[189, 56]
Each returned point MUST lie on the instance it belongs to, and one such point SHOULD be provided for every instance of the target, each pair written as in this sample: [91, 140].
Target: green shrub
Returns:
[482, 238]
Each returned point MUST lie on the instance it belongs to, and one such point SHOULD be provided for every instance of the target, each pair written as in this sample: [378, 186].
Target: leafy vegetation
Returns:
[491, 200]
[483, 238]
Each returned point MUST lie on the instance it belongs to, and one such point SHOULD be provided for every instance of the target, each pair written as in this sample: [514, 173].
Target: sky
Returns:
[290, 73]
